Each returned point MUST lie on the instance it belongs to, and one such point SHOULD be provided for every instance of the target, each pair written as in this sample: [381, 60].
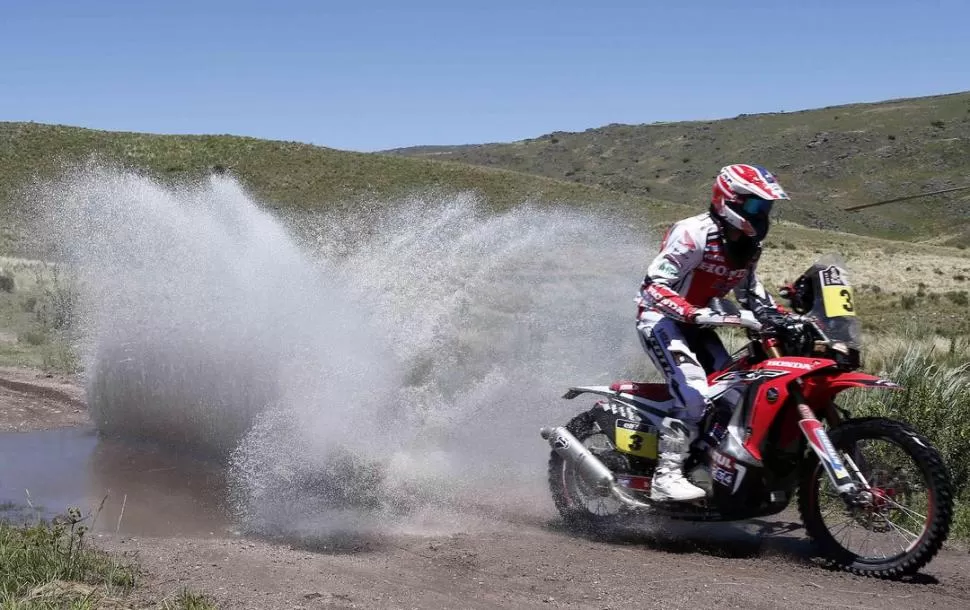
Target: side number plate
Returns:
[636, 438]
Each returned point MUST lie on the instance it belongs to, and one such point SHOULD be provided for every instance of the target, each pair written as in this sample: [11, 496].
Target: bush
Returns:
[935, 400]
[938, 124]
[29, 304]
[33, 337]
[7, 282]
[907, 301]
[188, 600]
[56, 309]
[961, 520]
[959, 297]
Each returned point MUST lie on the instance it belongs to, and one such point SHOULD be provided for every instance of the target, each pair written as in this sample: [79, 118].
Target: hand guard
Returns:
[773, 322]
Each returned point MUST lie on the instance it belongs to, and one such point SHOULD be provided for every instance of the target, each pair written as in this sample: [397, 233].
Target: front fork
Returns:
[830, 459]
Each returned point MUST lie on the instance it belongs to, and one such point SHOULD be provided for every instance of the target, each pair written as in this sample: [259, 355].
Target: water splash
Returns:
[396, 357]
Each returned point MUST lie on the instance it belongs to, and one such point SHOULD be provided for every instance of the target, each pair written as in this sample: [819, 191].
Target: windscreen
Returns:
[834, 307]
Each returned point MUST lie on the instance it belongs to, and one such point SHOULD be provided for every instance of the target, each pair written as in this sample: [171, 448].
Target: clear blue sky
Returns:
[375, 74]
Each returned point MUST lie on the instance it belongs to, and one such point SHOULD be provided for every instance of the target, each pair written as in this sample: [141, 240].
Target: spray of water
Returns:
[395, 361]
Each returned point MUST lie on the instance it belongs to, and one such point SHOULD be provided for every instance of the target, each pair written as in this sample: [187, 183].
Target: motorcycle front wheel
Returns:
[900, 523]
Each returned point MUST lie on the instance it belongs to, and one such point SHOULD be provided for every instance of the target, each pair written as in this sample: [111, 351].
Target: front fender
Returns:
[821, 388]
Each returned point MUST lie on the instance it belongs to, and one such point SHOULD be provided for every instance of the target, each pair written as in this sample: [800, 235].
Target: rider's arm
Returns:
[751, 293]
[680, 253]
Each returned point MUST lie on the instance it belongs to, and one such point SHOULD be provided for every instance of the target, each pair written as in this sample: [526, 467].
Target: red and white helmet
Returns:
[743, 195]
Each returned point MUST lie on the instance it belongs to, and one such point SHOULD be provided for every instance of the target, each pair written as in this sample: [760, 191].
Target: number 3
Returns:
[636, 441]
[844, 293]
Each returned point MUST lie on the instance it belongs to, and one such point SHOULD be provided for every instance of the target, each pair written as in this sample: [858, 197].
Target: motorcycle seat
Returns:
[651, 391]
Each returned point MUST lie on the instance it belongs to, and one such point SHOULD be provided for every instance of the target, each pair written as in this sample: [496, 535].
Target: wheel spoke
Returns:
[909, 512]
[899, 529]
[841, 527]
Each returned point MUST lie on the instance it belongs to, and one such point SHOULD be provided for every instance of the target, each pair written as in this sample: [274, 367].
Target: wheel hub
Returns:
[872, 508]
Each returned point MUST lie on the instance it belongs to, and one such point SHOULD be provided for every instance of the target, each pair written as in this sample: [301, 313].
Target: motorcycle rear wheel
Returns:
[907, 517]
[581, 506]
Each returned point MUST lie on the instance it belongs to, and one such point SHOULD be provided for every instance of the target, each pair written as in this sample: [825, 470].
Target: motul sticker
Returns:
[723, 469]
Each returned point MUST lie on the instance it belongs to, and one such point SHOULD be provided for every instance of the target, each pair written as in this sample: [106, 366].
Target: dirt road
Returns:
[492, 560]
[31, 400]
[521, 565]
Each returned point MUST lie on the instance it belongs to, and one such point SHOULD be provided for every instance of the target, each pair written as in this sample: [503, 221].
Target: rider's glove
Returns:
[701, 312]
[772, 320]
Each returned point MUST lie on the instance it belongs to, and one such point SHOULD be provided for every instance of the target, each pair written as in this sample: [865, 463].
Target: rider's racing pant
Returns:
[683, 352]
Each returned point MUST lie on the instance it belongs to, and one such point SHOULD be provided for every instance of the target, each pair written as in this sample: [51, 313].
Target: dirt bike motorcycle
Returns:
[873, 494]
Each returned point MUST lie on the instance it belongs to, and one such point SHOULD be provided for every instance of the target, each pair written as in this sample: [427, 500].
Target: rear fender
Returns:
[601, 390]
[628, 420]
[624, 402]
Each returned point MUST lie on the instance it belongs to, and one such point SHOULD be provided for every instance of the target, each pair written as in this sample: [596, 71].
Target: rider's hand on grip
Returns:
[772, 320]
[703, 315]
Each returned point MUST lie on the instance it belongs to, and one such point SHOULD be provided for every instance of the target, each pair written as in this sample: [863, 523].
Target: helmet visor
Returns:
[755, 206]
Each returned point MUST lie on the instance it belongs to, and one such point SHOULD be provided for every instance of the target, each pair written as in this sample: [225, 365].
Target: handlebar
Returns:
[745, 319]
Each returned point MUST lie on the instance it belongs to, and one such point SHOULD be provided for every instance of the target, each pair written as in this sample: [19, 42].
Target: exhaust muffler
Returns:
[589, 467]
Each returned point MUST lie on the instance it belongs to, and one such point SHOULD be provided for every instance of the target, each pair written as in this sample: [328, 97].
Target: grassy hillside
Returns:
[282, 174]
[901, 284]
[828, 159]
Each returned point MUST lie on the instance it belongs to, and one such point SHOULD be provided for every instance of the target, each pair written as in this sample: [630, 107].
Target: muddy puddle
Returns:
[132, 488]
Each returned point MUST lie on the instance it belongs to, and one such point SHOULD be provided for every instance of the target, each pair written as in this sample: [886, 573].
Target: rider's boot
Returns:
[669, 483]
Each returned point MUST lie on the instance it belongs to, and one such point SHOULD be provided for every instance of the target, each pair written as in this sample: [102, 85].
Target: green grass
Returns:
[935, 400]
[36, 325]
[47, 566]
[187, 600]
[52, 566]
[827, 158]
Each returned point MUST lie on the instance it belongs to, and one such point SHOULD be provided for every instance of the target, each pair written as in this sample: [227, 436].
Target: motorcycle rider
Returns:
[702, 257]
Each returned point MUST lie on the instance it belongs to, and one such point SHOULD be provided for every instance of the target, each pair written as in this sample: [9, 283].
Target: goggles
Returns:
[755, 206]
